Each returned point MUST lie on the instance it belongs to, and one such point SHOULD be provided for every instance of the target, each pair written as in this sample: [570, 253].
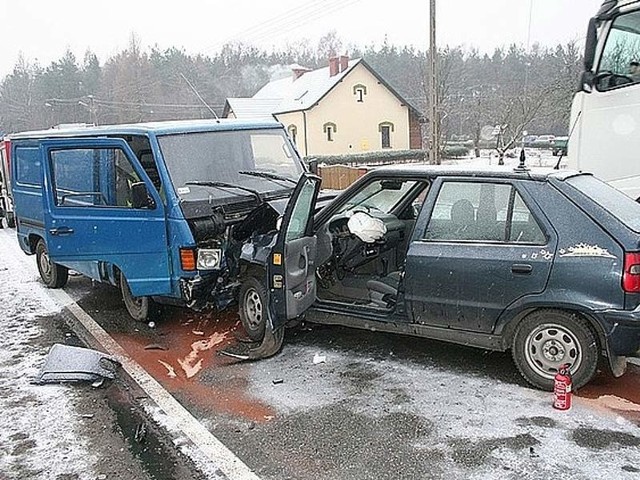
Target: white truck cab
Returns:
[605, 114]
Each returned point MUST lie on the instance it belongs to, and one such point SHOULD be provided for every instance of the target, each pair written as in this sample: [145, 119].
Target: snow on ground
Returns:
[477, 426]
[38, 424]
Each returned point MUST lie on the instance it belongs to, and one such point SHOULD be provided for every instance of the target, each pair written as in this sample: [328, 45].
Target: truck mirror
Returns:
[140, 197]
[590, 45]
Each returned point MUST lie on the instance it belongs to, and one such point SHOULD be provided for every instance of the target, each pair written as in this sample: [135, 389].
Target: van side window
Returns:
[620, 62]
[92, 177]
[28, 166]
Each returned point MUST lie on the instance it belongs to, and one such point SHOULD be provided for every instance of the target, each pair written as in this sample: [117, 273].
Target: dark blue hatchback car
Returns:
[543, 263]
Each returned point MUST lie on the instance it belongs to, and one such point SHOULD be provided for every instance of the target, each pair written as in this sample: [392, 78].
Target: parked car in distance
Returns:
[543, 141]
[543, 263]
[559, 146]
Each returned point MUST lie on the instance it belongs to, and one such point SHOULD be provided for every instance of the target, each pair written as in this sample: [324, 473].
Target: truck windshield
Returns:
[226, 156]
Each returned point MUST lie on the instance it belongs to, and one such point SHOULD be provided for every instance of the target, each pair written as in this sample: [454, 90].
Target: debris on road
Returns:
[156, 346]
[65, 363]
[317, 358]
[277, 381]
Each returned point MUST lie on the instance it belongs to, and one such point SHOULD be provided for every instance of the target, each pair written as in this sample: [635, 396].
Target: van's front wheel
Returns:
[52, 274]
[253, 308]
[138, 307]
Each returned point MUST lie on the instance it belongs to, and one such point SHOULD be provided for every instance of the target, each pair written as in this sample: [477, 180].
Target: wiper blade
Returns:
[253, 192]
[269, 175]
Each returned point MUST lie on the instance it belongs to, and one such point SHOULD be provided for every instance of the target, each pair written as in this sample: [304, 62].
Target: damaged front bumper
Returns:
[201, 292]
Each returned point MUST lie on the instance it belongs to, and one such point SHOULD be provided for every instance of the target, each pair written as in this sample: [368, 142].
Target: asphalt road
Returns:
[376, 406]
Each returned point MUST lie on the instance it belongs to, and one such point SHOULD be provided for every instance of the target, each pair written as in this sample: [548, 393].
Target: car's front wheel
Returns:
[546, 340]
[253, 308]
[52, 274]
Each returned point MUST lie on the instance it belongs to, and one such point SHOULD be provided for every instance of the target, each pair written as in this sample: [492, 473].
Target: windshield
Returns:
[221, 156]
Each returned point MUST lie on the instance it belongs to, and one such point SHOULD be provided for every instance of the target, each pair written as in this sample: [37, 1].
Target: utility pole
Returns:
[433, 86]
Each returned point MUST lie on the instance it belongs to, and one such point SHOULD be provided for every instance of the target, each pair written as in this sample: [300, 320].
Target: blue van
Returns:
[160, 210]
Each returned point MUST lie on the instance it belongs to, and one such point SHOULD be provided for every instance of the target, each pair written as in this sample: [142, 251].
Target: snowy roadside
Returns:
[50, 431]
[38, 433]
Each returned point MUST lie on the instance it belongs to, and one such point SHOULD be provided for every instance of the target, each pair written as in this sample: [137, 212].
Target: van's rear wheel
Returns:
[138, 307]
[253, 308]
[52, 274]
[548, 339]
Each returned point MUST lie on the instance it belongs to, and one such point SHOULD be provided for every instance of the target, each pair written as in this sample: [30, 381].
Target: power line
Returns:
[296, 18]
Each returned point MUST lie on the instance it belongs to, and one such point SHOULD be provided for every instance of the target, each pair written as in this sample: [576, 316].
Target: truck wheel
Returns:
[11, 220]
[138, 307]
[253, 308]
[52, 274]
[547, 339]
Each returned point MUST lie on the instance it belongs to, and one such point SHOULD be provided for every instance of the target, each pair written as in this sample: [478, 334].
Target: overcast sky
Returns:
[43, 29]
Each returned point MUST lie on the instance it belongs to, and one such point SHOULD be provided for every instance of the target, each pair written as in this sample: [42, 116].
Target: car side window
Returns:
[301, 213]
[620, 62]
[482, 212]
[92, 177]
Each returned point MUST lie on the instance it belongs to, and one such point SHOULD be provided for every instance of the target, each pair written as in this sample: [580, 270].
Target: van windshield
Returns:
[619, 205]
[221, 156]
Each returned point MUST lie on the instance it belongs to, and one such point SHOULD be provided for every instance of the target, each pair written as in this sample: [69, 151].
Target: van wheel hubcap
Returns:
[253, 308]
[549, 346]
[45, 264]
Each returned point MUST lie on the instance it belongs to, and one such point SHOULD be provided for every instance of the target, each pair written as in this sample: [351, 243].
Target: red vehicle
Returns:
[6, 200]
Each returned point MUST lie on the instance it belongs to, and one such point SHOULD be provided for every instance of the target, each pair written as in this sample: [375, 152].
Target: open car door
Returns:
[291, 282]
[291, 266]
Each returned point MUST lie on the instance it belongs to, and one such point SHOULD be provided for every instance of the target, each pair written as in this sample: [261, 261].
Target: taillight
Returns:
[188, 259]
[631, 273]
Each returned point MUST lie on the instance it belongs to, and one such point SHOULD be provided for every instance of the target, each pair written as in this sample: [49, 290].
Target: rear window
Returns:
[613, 201]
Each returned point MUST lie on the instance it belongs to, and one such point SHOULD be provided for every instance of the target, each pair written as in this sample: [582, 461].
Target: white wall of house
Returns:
[357, 124]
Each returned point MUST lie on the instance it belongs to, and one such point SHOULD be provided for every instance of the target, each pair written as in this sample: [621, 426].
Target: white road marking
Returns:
[212, 449]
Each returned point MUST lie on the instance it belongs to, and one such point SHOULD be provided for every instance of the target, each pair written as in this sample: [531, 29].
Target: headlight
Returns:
[209, 258]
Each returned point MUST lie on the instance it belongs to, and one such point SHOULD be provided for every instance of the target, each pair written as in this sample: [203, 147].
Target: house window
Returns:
[293, 132]
[385, 129]
[330, 130]
[359, 91]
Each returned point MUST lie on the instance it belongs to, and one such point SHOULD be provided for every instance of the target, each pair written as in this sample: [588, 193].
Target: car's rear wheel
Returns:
[253, 308]
[548, 339]
[52, 274]
[139, 308]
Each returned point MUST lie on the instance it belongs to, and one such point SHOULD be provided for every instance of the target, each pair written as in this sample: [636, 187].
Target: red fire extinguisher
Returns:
[562, 387]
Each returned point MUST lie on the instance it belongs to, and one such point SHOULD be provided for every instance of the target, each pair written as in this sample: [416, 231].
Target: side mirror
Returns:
[140, 197]
[590, 45]
[313, 166]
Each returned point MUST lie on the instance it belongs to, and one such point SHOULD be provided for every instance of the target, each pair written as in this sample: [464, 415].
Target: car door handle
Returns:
[61, 231]
[521, 268]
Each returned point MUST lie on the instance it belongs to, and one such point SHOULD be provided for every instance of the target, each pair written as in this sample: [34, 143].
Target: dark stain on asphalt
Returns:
[598, 439]
[544, 422]
[474, 454]
[630, 468]
[360, 377]
[377, 447]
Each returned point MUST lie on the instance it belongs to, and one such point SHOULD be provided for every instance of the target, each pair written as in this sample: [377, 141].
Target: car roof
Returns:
[156, 128]
[537, 173]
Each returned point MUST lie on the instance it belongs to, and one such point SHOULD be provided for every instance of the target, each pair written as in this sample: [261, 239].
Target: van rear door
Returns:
[91, 216]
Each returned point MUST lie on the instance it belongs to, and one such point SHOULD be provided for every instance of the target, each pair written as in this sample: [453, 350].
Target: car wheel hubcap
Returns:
[549, 346]
[253, 308]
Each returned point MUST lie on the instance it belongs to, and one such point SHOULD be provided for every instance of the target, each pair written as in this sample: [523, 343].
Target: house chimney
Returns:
[344, 62]
[334, 66]
[298, 71]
